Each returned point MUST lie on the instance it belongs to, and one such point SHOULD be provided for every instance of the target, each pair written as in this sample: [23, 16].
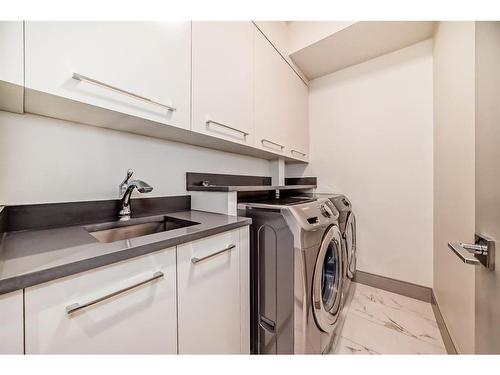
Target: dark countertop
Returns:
[33, 257]
[227, 188]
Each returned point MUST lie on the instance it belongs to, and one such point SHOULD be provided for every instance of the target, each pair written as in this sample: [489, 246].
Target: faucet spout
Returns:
[142, 187]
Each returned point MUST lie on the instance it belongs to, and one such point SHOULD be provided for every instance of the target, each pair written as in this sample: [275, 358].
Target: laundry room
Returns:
[255, 183]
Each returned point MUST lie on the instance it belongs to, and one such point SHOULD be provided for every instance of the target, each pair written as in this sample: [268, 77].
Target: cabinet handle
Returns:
[92, 81]
[76, 306]
[298, 152]
[196, 260]
[208, 122]
[271, 142]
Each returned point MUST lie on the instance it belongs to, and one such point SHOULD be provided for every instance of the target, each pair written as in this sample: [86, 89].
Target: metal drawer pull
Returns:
[92, 81]
[76, 306]
[208, 122]
[273, 143]
[196, 260]
[298, 152]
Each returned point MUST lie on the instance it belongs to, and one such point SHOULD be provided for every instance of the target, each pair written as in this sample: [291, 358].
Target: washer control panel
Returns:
[315, 214]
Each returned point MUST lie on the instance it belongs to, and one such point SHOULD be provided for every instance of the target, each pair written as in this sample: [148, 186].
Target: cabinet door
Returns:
[271, 97]
[298, 123]
[281, 102]
[223, 80]
[139, 320]
[137, 68]
[11, 326]
[208, 274]
[11, 66]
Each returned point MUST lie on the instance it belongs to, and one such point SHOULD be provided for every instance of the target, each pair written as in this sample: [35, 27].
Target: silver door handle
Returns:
[482, 251]
[463, 253]
[92, 81]
[298, 152]
[273, 143]
[208, 122]
[77, 306]
[196, 260]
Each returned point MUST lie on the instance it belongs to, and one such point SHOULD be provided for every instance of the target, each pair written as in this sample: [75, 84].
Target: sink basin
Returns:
[124, 230]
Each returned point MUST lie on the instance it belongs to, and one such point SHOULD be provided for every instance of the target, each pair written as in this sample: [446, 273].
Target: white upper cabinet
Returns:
[11, 66]
[298, 121]
[223, 78]
[136, 68]
[128, 307]
[281, 102]
[11, 326]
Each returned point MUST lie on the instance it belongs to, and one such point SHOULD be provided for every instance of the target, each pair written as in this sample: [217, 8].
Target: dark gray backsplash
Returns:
[50, 215]
[196, 179]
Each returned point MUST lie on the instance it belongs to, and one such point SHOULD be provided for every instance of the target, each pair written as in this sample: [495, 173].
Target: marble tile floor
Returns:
[381, 322]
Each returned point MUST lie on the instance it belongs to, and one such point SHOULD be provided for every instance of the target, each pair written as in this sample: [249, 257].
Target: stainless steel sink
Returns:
[119, 230]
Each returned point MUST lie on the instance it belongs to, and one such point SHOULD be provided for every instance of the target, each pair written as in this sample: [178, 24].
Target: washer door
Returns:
[350, 244]
[327, 280]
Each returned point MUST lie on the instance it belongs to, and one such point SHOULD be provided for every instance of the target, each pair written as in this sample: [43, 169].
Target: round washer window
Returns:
[330, 276]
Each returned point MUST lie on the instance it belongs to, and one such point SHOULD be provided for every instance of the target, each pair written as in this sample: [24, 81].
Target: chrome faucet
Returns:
[126, 189]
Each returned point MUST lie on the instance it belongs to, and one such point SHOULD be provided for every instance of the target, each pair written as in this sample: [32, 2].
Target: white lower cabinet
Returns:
[11, 323]
[118, 320]
[213, 285]
[153, 304]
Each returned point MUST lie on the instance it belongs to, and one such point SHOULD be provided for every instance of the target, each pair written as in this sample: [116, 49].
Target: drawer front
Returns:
[11, 323]
[119, 318]
[209, 295]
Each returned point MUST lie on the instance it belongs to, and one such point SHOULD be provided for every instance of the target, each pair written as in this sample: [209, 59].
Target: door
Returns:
[223, 80]
[327, 280]
[487, 285]
[482, 254]
[137, 68]
[208, 274]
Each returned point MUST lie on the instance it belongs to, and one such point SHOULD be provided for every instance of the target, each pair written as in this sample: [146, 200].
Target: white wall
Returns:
[48, 160]
[371, 129]
[454, 175]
